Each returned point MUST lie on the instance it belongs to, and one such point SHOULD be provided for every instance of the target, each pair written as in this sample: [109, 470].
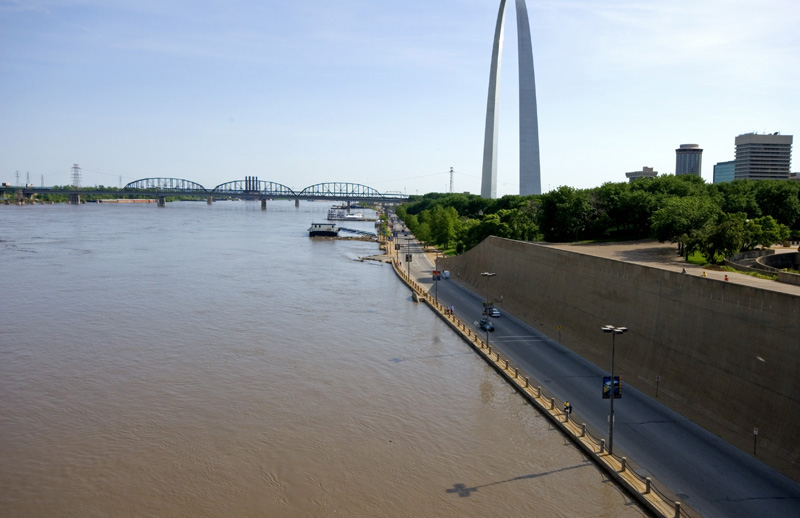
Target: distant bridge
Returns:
[251, 188]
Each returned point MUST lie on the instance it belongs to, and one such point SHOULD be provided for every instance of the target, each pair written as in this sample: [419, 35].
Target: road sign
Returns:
[607, 387]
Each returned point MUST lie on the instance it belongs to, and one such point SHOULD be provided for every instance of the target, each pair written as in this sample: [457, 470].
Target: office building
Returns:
[688, 159]
[723, 171]
[763, 157]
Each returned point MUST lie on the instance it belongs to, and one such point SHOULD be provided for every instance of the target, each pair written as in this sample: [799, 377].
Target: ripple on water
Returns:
[213, 361]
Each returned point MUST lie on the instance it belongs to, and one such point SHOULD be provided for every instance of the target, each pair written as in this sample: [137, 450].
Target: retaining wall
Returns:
[727, 354]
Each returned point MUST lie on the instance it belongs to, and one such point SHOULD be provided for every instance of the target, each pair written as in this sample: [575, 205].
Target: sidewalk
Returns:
[664, 256]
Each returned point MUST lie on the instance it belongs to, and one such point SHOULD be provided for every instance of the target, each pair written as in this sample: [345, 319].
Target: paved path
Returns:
[665, 256]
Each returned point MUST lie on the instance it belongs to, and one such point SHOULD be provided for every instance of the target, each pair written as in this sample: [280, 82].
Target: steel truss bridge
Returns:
[251, 188]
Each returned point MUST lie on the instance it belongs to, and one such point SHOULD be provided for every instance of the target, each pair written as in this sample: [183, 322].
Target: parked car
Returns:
[486, 324]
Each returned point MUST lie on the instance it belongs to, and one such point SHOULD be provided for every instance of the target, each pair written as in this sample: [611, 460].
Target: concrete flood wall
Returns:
[726, 354]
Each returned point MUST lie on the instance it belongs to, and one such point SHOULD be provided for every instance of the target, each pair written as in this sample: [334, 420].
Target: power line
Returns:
[424, 176]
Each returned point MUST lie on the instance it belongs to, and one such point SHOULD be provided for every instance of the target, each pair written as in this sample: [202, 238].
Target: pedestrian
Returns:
[683, 271]
[567, 407]
[705, 274]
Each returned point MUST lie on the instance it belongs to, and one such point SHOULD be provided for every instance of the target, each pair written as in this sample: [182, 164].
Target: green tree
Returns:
[463, 236]
[412, 223]
[636, 207]
[737, 196]
[721, 236]
[764, 231]
[672, 185]
[443, 225]
[400, 210]
[607, 201]
[564, 214]
[680, 217]
[423, 233]
[475, 231]
[779, 199]
[521, 222]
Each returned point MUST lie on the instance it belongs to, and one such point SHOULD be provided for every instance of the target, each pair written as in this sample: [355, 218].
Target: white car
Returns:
[494, 312]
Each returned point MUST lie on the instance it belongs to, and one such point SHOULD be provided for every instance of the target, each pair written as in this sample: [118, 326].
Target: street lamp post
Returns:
[438, 274]
[408, 256]
[608, 328]
[487, 275]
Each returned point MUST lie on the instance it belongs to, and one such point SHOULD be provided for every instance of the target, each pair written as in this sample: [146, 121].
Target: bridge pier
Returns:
[210, 200]
[162, 201]
[297, 202]
[74, 199]
[263, 204]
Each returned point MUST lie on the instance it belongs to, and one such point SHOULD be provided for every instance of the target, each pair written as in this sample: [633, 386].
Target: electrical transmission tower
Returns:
[451, 180]
[76, 176]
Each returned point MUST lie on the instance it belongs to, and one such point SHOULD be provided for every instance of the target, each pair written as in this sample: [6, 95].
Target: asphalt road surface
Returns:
[705, 472]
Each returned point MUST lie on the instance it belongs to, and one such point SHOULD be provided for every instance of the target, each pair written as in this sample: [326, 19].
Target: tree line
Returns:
[717, 220]
[88, 196]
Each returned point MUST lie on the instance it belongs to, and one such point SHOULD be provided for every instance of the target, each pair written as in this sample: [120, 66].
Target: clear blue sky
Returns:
[387, 94]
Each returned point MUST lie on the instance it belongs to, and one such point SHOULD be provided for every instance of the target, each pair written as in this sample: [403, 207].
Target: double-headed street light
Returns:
[608, 328]
[436, 277]
[408, 255]
[487, 275]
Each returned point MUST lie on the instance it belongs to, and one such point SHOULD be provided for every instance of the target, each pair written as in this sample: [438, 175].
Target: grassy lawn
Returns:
[751, 274]
[698, 259]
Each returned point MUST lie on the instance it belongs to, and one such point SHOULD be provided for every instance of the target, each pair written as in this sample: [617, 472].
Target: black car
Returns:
[486, 324]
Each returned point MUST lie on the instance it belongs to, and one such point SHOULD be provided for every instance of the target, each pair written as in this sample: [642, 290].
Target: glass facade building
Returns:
[723, 171]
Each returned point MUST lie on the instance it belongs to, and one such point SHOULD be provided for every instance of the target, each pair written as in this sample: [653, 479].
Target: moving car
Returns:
[494, 312]
[486, 324]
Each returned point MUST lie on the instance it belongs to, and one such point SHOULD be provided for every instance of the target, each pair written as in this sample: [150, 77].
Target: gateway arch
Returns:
[530, 181]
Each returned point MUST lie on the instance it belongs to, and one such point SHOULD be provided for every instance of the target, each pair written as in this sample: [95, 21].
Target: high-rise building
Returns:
[723, 171]
[763, 157]
[688, 159]
[529, 172]
[646, 172]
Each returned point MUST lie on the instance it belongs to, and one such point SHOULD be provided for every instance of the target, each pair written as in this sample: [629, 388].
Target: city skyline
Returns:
[389, 96]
